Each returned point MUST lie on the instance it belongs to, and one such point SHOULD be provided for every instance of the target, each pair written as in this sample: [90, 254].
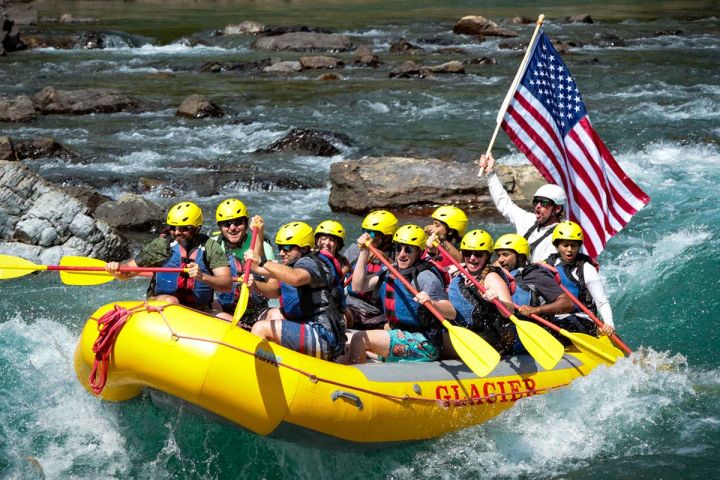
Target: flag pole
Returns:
[513, 86]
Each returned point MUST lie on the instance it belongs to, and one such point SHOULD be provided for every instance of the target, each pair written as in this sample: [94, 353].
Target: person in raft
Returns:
[412, 334]
[537, 226]
[310, 288]
[448, 227]
[536, 291]
[364, 309]
[330, 237]
[475, 309]
[185, 247]
[579, 274]
[232, 219]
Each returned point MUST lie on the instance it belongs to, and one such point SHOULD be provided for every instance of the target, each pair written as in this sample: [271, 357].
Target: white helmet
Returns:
[552, 192]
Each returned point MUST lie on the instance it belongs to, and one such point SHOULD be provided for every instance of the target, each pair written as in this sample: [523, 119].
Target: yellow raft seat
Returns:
[267, 388]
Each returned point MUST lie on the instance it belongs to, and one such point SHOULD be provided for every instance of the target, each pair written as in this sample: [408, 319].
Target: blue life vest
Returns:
[472, 310]
[524, 294]
[576, 286]
[401, 311]
[186, 289]
[305, 302]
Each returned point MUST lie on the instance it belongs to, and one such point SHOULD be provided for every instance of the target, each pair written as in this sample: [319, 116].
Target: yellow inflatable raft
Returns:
[271, 390]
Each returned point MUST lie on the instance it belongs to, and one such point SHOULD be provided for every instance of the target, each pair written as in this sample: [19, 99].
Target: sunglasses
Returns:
[544, 202]
[470, 253]
[285, 248]
[182, 228]
[409, 249]
[237, 222]
[372, 233]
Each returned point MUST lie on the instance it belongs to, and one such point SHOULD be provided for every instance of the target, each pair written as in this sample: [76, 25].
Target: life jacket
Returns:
[371, 268]
[542, 237]
[576, 286]
[324, 304]
[473, 311]
[180, 285]
[525, 294]
[401, 311]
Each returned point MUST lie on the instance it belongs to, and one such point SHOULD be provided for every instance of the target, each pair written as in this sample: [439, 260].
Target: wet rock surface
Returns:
[199, 106]
[312, 142]
[359, 186]
[49, 222]
[79, 102]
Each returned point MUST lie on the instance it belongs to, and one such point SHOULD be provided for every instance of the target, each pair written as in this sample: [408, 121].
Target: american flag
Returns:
[547, 120]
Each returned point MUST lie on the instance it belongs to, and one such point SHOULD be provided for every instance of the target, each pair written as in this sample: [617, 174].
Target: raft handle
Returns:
[348, 396]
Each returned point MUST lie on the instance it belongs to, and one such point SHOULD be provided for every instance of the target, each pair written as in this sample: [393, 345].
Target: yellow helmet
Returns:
[185, 214]
[331, 227]
[453, 217]
[381, 221]
[514, 242]
[478, 240]
[410, 235]
[230, 209]
[567, 231]
[295, 233]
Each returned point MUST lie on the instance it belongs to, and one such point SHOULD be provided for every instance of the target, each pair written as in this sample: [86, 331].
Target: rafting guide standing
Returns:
[544, 115]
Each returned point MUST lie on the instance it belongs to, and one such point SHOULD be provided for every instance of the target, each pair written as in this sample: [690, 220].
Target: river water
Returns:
[655, 102]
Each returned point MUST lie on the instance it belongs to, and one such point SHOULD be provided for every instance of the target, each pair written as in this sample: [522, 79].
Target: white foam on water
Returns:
[594, 418]
[696, 109]
[47, 413]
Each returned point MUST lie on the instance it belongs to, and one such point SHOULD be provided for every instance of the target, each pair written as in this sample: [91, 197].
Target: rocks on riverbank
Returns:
[397, 183]
[50, 101]
[42, 222]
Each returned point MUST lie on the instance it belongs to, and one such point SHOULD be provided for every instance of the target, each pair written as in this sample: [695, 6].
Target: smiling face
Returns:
[568, 249]
[289, 253]
[234, 230]
[406, 255]
[475, 261]
[183, 234]
[329, 243]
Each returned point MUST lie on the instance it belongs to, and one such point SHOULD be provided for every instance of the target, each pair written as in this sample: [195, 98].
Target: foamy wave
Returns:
[598, 416]
[58, 427]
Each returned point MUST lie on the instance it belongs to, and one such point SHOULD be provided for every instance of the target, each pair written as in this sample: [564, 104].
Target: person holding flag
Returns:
[544, 115]
[537, 226]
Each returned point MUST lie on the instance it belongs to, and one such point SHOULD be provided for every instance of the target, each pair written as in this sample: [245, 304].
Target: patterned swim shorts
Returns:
[410, 347]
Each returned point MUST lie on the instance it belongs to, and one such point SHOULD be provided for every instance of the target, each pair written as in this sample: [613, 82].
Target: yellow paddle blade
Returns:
[593, 346]
[13, 267]
[241, 304]
[472, 349]
[83, 278]
[539, 343]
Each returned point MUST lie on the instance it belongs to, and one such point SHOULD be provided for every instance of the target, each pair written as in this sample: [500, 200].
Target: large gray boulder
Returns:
[359, 186]
[305, 42]
[79, 102]
[18, 109]
[199, 106]
[49, 222]
[481, 26]
[131, 212]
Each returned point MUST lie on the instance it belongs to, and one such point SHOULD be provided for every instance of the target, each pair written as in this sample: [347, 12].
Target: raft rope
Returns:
[112, 322]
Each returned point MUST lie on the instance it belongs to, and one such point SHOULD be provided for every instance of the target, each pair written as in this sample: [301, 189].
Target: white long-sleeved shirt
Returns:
[522, 220]
[597, 292]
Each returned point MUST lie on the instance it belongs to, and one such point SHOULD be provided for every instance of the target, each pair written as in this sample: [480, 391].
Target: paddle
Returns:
[587, 311]
[244, 289]
[73, 270]
[472, 349]
[585, 343]
[537, 341]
